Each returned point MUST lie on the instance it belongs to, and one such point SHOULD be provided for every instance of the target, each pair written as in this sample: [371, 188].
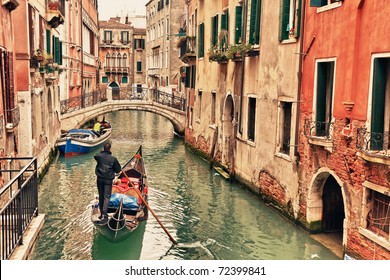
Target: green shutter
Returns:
[224, 26]
[60, 61]
[104, 80]
[193, 76]
[298, 19]
[285, 18]
[135, 44]
[139, 66]
[124, 80]
[214, 31]
[201, 40]
[238, 26]
[188, 77]
[378, 104]
[57, 50]
[317, 3]
[48, 42]
[321, 99]
[254, 24]
[143, 44]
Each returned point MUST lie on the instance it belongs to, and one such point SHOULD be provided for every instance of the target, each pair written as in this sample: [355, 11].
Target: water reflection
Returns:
[208, 216]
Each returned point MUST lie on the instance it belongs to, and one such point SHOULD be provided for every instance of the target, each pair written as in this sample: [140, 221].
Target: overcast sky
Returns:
[113, 8]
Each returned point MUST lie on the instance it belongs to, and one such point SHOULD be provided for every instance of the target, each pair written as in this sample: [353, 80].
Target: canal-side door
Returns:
[228, 135]
[333, 206]
[115, 90]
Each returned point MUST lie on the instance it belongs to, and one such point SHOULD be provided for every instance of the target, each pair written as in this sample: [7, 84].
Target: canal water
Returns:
[209, 217]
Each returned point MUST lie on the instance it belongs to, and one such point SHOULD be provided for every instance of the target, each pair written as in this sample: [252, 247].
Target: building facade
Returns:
[344, 118]
[122, 56]
[162, 29]
[243, 109]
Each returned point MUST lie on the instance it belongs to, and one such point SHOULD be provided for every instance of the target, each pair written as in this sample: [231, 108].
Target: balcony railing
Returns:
[187, 49]
[18, 201]
[82, 101]
[320, 130]
[109, 69]
[12, 118]
[108, 42]
[373, 143]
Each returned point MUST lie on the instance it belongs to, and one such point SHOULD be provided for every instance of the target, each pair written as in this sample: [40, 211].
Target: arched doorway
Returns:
[228, 133]
[115, 90]
[333, 206]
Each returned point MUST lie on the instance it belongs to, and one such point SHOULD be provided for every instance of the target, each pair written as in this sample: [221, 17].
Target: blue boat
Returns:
[81, 141]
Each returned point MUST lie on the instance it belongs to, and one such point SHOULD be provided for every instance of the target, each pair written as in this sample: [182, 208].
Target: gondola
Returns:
[82, 141]
[126, 209]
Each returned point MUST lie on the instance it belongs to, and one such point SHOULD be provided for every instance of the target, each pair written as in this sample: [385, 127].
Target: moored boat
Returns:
[81, 141]
[127, 203]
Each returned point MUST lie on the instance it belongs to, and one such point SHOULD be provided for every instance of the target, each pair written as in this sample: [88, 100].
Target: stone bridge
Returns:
[79, 117]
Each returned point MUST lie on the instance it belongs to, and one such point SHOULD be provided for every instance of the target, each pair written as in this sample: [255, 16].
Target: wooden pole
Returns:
[150, 209]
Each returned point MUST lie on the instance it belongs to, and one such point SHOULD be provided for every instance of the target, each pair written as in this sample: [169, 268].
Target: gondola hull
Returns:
[125, 216]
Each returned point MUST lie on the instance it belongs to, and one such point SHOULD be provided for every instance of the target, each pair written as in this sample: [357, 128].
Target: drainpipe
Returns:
[82, 53]
[300, 67]
[243, 65]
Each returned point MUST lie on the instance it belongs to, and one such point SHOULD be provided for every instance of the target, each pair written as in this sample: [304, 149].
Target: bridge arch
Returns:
[78, 118]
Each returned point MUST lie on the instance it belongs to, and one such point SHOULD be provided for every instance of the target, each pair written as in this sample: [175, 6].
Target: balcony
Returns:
[107, 42]
[154, 72]
[373, 146]
[187, 49]
[55, 12]
[12, 119]
[319, 133]
[116, 70]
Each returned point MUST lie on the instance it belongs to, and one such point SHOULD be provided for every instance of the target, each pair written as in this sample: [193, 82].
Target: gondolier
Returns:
[106, 167]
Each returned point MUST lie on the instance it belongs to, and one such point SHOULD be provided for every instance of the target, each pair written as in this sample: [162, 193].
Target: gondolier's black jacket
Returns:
[107, 165]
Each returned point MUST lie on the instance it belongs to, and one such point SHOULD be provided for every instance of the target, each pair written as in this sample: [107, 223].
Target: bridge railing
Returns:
[168, 99]
[83, 101]
[18, 201]
[131, 93]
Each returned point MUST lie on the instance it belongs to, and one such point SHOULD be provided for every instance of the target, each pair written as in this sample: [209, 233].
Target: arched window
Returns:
[119, 60]
[108, 60]
[124, 60]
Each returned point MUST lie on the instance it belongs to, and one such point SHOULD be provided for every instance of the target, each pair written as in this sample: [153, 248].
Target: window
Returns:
[285, 127]
[107, 37]
[254, 24]
[167, 29]
[125, 37]
[214, 31]
[193, 76]
[199, 104]
[139, 88]
[290, 19]
[124, 80]
[320, 3]
[139, 66]
[213, 105]
[324, 98]
[376, 213]
[224, 30]
[238, 26]
[104, 80]
[380, 110]
[201, 40]
[139, 44]
[166, 81]
[251, 118]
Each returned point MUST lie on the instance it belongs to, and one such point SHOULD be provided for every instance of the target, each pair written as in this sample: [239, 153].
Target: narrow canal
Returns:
[209, 217]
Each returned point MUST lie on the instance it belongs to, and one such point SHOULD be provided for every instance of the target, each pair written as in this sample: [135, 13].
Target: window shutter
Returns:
[48, 49]
[238, 26]
[254, 24]
[223, 22]
[201, 40]
[285, 18]
[135, 44]
[57, 50]
[139, 66]
[378, 101]
[298, 19]
[60, 61]
[317, 3]
[193, 76]
[321, 93]
[143, 44]
[188, 77]
[214, 31]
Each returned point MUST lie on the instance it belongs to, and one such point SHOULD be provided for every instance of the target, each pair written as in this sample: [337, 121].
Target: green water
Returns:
[209, 217]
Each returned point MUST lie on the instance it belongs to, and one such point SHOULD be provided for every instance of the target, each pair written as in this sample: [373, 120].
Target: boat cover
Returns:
[129, 202]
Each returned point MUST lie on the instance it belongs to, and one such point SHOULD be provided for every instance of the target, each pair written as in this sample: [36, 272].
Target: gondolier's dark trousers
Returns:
[104, 188]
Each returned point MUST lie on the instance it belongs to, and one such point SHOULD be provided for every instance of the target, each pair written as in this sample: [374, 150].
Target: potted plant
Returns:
[217, 55]
[238, 51]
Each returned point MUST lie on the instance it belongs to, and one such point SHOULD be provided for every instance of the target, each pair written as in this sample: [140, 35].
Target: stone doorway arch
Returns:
[115, 90]
[228, 122]
[326, 205]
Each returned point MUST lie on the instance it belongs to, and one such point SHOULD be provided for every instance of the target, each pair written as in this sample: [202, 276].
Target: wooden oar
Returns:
[150, 209]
